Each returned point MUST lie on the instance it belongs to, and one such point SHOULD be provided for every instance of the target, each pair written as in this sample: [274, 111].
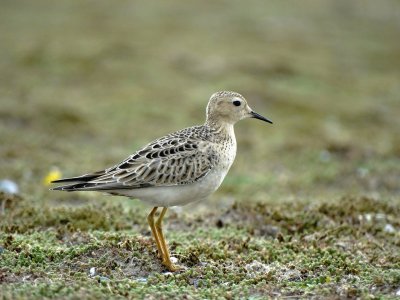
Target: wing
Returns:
[177, 159]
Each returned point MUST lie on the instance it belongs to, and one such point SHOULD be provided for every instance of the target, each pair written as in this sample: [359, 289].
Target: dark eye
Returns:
[237, 103]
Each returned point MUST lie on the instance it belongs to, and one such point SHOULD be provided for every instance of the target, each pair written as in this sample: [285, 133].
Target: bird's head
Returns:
[230, 107]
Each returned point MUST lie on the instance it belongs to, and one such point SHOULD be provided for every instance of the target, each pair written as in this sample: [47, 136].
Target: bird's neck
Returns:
[221, 127]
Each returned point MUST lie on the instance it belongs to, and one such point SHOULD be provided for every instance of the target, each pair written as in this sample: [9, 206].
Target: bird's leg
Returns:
[166, 257]
[150, 220]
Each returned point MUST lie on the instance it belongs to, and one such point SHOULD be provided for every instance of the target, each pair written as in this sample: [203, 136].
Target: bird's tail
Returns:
[77, 183]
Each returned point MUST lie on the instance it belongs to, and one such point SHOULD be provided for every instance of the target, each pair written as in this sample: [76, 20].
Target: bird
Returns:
[179, 168]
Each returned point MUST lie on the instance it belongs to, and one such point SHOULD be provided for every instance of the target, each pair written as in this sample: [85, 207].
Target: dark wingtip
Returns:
[80, 179]
[66, 188]
[57, 188]
[64, 180]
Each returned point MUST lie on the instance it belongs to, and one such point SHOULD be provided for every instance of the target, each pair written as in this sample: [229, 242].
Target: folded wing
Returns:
[172, 160]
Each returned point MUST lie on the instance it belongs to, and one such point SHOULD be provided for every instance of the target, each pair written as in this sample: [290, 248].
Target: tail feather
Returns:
[74, 187]
[83, 178]
[89, 186]
[79, 183]
[85, 183]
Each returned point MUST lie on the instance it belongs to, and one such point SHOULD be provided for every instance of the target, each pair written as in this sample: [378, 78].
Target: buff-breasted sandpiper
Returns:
[177, 169]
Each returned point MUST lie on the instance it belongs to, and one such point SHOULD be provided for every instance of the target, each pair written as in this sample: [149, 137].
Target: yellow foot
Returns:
[171, 267]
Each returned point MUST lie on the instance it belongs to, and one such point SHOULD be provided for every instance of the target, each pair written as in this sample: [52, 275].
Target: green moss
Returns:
[322, 248]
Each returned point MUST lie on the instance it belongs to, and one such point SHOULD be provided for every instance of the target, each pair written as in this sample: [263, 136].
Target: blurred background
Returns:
[83, 84]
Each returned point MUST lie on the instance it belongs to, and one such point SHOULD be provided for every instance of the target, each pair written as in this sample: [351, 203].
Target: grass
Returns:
[310, 207]
[247, 250]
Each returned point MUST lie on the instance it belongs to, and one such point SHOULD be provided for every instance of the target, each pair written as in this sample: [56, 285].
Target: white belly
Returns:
[179, 194]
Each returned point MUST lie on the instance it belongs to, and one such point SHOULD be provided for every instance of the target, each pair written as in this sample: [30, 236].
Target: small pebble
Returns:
[92, 271]
[174, 260]
[389, 228]
[398, 292]
[380, 216]
[8, 186]
[255, 268]
[141, 279]
[195, 282]
[103, 279]
[368, 217]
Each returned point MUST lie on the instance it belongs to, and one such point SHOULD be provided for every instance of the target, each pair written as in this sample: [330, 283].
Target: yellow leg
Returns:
[150, 220]
[166, 257]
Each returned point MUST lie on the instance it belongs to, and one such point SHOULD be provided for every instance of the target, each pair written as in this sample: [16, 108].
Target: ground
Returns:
[310, 207]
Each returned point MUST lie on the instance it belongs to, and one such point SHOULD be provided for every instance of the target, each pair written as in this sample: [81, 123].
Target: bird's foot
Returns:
[170, 266]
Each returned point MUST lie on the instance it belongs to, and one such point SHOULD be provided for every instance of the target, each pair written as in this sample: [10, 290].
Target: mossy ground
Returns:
[310, 207]
[246, 250]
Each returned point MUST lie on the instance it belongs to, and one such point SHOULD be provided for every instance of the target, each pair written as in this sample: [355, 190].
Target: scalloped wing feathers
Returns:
[179, 158]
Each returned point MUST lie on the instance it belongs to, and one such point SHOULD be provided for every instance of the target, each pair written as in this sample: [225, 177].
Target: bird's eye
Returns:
[237, 103]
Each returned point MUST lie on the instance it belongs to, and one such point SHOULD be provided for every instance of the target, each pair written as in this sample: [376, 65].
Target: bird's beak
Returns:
[260, 117]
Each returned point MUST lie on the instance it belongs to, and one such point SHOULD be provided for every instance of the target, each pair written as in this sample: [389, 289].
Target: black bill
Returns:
[260, 117]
